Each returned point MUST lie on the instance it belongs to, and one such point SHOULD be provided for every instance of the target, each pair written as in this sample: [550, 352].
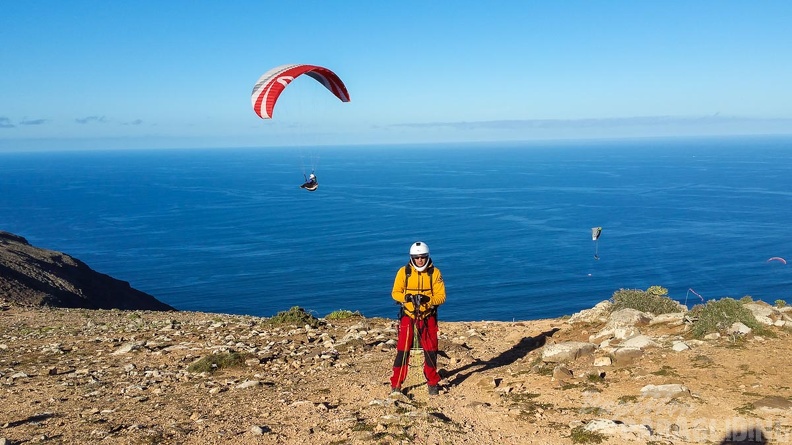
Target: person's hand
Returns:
[424, 299]
[408, 298]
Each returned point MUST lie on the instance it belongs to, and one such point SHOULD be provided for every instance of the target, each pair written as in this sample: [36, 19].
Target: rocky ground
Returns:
[78, 376]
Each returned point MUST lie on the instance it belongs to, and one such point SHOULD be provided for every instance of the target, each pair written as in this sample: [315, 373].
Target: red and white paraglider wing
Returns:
[271, 85]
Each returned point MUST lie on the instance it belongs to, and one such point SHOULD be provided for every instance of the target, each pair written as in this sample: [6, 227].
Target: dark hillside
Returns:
[32, 276]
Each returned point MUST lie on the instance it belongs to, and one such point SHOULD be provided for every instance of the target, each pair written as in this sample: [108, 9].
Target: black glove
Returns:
[424, 299]
[409, 298]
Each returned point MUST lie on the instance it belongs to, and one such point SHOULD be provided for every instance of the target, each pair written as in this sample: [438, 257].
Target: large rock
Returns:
[673, 319]
[638, 342]
[626, 356]
[598, 314]
[629, 317]
[619, 430]
[566, 352]
[774, 404]
[622, 325]
[32, 276]
[665, 391]
[763, 312]
[617, 333]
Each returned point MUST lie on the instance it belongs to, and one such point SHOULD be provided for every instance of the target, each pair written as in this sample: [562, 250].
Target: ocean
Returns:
[508, 224]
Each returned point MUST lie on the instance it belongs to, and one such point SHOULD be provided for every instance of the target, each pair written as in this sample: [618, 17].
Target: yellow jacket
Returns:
[422, 283]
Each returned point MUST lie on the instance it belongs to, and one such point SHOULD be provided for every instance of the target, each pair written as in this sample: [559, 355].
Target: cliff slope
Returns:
[39, 277]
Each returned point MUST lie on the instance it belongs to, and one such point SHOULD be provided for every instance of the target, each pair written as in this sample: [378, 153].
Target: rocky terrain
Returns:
[79, 376]
[39, 277]
[86, 359]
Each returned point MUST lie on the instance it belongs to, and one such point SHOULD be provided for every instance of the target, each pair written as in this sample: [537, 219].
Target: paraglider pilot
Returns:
[311, 183]
[420, 289]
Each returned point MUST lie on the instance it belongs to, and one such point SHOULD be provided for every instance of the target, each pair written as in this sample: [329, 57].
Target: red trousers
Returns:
[427, 332]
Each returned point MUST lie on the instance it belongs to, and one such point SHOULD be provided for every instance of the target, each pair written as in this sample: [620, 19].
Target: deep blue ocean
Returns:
[508, 224]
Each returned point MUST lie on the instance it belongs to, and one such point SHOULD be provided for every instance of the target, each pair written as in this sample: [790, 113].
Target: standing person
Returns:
[420, 289]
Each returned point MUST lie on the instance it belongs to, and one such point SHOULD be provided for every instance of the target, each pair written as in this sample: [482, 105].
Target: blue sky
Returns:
[151, 74]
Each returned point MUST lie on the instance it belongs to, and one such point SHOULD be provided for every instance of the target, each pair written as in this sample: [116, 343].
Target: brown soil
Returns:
[95, 376]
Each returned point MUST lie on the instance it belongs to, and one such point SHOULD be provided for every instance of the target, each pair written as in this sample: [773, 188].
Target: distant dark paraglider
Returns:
[310, 184]
[595, 234]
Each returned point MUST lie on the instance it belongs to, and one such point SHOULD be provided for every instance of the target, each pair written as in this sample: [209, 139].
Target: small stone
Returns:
[248, 384]
[127, 348]
[257, 430]
[603, 361]
[562, 373]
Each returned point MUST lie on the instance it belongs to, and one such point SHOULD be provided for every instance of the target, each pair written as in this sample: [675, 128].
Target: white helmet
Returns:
[419, 249]
[312, 176]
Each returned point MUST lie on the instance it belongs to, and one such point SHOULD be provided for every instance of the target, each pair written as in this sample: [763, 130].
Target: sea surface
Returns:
[508, 224]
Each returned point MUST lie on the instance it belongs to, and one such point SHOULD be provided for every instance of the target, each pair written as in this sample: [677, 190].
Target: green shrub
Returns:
[718, 315]
[595, 377]
[296, 316]
[780, 303]
[581, 435]
[216, 362]
[654, 300]
[342, 314]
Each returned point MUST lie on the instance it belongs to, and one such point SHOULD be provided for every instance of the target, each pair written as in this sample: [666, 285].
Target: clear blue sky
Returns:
[178, 73]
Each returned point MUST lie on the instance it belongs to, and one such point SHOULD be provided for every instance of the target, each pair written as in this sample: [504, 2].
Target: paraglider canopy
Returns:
[777, 258]
[273, 82]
